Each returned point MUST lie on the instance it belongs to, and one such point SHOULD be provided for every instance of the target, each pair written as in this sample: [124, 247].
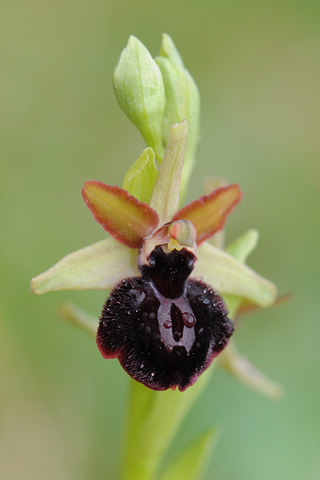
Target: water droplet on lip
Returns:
[188, 319]
[137, 294]
[202, 300]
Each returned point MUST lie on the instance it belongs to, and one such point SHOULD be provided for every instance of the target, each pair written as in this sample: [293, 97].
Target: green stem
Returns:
[154, 418]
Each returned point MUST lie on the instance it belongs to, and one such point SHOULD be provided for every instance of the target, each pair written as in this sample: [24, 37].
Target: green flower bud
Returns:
[182, 102]
[139, 89]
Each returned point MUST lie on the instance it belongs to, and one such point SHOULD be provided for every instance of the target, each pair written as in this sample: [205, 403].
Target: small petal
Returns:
[139, 180]
[122, 215]
[99, 266]
[247, 373]
[229, 276]
[211, 184]
[209, 212]
[166, 193]
[140, 92]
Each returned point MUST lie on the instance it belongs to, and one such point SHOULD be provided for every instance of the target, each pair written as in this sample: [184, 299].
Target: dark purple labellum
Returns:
[164, 328]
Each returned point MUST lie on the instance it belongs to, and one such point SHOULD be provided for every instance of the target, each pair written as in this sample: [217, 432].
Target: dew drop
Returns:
[188, 319]
[202, 300]
[142, 365]
[167, 324]
[137, 294]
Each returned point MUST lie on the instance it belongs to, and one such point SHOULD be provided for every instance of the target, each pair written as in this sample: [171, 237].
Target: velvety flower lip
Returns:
[164, 319]
[158, 354]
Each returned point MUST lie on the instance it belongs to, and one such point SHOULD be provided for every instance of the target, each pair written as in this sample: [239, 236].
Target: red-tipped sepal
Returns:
[122, 215]
[209, 212]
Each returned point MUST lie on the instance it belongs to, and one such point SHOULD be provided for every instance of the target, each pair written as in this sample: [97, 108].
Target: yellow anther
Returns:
[174, 245]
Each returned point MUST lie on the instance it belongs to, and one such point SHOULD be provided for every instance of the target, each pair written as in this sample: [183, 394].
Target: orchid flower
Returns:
[165, 319]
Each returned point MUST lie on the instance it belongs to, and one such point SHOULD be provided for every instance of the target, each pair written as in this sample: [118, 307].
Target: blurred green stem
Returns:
[154, 418]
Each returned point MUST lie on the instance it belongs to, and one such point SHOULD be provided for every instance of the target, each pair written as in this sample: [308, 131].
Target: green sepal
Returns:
[140, 178]
[140, 92]
[191, 463]
[98, 266]
[229, 276]
[182, 102]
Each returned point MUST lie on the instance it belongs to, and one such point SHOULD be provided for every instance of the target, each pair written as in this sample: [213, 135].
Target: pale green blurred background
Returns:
[257, 64]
